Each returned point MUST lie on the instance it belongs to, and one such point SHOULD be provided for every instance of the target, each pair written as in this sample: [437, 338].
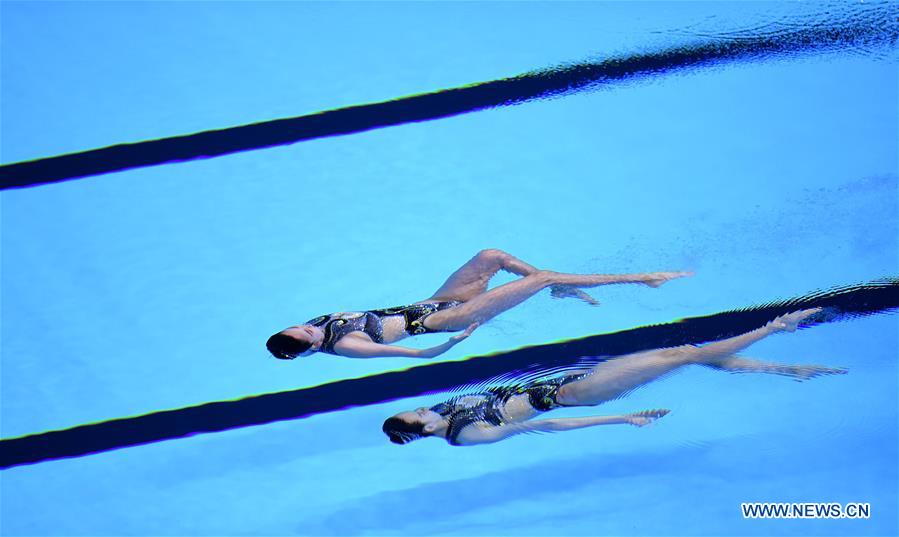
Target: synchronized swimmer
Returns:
[463, 302]
[460, 305]
[499, 413]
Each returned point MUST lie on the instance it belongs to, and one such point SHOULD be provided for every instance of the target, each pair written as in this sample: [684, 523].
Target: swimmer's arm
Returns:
[361, 346]
[354, 348]
[482, 433]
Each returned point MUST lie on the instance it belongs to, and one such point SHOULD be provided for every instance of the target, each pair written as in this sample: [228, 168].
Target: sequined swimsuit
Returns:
[464, 410]
[337, 325]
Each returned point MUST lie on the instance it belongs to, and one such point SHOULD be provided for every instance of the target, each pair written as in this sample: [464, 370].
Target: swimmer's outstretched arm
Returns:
[353, 346]
[483, 433]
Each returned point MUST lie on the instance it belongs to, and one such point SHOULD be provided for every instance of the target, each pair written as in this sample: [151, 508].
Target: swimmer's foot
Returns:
[656, 279]
[805, 372]
[567, 291]
[639, 419]
[790, 321]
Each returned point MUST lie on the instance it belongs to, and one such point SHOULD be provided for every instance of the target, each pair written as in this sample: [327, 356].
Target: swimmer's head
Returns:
[301, 340]
[408, 426]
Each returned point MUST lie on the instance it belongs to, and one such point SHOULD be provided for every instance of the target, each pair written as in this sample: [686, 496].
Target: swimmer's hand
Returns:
[458, 338]
[450, 343]
[639, 419]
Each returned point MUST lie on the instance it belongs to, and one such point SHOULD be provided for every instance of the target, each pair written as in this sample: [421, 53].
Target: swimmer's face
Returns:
[308, 334]
[423, 416]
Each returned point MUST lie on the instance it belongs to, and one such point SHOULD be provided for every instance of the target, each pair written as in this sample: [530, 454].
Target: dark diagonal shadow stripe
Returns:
[858, 26]
[840, 303]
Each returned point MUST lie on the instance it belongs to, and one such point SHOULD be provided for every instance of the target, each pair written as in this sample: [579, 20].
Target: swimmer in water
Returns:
[499, 413]
[460, 305]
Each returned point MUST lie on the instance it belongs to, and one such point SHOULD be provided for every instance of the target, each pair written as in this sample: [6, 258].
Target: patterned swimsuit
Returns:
[337, 325]
[464, 410]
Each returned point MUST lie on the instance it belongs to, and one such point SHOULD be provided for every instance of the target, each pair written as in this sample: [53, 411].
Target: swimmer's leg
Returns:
[489, 304]
[472, 278]
[740, 364]
[730, 346]
[618, 377]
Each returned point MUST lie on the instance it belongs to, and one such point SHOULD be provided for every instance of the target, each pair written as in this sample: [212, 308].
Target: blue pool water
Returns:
[155, 288]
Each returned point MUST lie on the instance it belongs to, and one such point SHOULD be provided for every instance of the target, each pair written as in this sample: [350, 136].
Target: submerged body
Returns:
[461, 304]
[503, 405]
[499, 413]
[381, 326]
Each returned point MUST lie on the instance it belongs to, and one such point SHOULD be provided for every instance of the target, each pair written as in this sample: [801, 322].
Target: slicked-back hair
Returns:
[286, 347]
[403, 432]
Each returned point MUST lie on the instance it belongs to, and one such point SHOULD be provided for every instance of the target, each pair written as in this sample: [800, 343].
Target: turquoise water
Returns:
[156, 288]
